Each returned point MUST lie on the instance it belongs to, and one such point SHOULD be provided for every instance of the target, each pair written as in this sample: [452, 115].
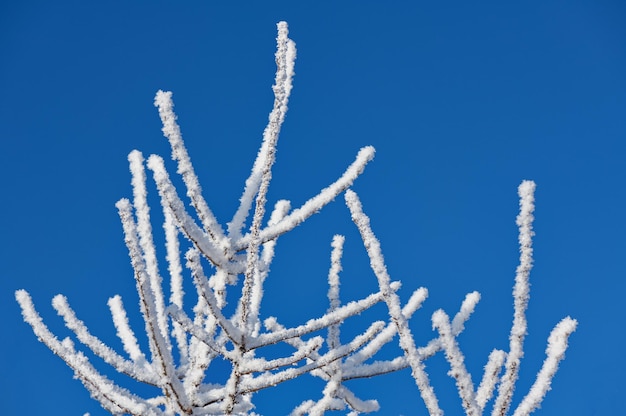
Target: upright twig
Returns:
[521, 294]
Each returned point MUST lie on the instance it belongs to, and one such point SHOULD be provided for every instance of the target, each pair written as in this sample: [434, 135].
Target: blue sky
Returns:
[462, 102]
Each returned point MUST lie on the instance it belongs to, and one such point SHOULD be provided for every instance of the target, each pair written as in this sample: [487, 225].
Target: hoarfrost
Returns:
[204, 332]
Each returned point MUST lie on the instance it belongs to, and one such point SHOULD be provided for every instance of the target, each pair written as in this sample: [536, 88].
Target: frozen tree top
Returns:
[229, 264]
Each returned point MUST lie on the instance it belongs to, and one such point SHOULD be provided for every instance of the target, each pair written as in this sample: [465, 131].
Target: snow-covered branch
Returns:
[521, 295]
[230, 263]
[557, 344]
[407, 342]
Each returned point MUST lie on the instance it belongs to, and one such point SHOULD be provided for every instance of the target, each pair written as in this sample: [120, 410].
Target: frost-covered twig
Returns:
[171, 130]
[329, 357]
[260, 273]
[144, 231]
[184, 221]
[124, 331]
[490, 378]
[458, 371]
[326, 373]
[137, 371]
[312, 325]
[261, 365]
[521, 295]
[333, 287]
[367, 352]
[407, 342]
[262, 175]
[434, 346]
[557, 344]
[316, 203]
[330, 401]
[176, 282]
[113, 398]
[285, 61]
[160, 349]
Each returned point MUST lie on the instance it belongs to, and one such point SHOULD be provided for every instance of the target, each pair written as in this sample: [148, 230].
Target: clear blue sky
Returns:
[462, 100]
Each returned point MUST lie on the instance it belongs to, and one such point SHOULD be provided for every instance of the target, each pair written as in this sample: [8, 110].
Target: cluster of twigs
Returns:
[184, 342]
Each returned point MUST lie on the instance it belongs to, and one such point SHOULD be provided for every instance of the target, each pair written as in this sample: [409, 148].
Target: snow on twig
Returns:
[170, 199]
[407, 342]
[176, 280]
[386, 335]
[161, 352]
[260, 365]
[193, 262]
[285, 62]
[521, 294]
[326, 373]
[557, 344]
[316, 203]
[124, 332]
[425, 352]
[458, 371]
[113, 398]
[142, 373]
[312, 325]
[333, 287]
[490, 378]
[335, 354]
[144, 230]
[171, 130]
[180, 317]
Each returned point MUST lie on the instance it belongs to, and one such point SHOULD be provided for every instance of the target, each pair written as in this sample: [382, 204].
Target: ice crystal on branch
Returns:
[184, 340]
